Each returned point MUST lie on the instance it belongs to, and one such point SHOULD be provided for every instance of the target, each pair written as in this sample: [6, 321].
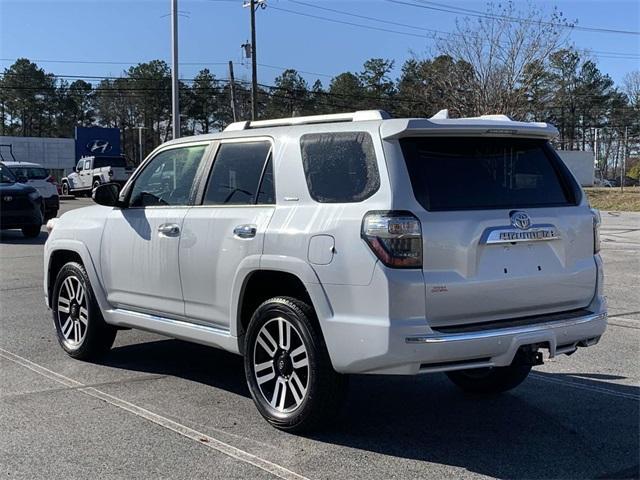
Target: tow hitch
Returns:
[528, 355]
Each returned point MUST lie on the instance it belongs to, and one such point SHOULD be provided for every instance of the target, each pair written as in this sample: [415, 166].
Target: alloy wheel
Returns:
[73, 315]
[281, 365]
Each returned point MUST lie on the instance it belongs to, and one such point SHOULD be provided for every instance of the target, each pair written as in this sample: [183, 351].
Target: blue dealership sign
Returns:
[97, 141]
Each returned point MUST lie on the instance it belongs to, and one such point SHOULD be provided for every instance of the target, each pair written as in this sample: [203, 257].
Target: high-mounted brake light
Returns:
[596, 230]
[395, 237]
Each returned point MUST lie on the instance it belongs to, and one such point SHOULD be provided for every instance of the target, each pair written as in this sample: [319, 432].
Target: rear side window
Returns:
[471, 173]
[340, 167]
[241, 175]
[32, 173]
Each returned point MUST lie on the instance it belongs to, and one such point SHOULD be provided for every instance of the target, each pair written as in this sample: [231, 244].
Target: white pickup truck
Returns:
[91, 172]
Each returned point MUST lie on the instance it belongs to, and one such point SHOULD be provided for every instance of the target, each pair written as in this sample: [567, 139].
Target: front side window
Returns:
[472, 173]
[340, 167]
[241, 175]
[168, 178]
[80, 165]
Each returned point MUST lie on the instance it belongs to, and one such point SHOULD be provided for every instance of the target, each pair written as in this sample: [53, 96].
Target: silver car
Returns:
[318, 247]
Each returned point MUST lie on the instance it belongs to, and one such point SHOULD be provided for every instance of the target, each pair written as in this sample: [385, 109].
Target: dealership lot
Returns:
[159, 408]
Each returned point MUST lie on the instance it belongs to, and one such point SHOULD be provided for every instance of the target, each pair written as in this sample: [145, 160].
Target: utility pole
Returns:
[253, 6]
[175, 101]
[595, 152]
[140, 152]
[623, 170]
[232, 89]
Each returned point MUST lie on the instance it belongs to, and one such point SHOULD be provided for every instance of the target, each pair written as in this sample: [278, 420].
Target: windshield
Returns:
[31, 173]
[471, 173]
[6, 176]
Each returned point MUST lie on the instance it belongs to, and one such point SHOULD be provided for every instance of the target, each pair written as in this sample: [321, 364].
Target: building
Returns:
[60, 155]
[56, 154]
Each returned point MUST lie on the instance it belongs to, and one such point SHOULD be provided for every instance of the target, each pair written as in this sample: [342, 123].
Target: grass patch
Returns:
[613, 199]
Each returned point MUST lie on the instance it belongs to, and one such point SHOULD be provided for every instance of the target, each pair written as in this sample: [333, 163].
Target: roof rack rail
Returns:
[358, 116]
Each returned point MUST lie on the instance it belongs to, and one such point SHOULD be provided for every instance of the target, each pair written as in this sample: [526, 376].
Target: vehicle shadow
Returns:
[546, 428]
[15, 237]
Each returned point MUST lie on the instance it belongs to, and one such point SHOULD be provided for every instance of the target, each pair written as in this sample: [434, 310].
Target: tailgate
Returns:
[471, 277]
[505, 231]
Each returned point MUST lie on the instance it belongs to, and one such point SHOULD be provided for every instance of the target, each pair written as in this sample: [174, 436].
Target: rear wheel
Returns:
[490, 380]
[81, 330]
[288, 369]
[96, 184]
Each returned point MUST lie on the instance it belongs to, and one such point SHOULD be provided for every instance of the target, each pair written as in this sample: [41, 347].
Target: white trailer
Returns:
[581, 164]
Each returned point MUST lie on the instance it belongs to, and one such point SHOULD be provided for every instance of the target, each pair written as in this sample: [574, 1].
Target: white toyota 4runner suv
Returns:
[318, 247]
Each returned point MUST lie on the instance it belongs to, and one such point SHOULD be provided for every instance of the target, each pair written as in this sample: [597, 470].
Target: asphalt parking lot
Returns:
[161, 408]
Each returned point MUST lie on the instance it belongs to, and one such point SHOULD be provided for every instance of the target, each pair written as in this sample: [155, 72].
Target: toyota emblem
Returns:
[520, 220]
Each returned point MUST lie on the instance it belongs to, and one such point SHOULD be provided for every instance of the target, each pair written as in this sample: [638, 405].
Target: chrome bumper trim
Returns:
[462, 337]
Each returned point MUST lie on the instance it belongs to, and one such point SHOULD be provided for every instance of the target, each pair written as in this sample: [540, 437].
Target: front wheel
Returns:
[65, 188]
[288, 369]
[81, 330]
[490, 380]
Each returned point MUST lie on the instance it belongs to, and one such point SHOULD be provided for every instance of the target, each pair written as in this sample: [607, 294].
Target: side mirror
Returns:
[106, 194]
[75, 169]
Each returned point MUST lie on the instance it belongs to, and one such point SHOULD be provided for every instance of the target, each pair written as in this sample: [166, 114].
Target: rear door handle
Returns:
[245, 231]
[169, 229]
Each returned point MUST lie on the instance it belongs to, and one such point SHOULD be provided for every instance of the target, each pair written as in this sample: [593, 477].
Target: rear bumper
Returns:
[399, 350]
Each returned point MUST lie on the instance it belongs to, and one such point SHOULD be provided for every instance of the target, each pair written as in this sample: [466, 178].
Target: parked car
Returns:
[20, 205]
[318, 247]
[39, 178]
[91, 172]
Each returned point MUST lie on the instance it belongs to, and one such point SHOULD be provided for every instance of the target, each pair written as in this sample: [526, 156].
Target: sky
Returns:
[103, 37]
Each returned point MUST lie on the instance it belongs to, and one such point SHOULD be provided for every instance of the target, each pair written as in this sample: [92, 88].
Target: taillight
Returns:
[51, 179]
[395, 237]
[596, 230]
[111, 173]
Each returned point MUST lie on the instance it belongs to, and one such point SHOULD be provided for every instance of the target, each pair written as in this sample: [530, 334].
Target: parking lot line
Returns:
[591, 388]
[199, 437]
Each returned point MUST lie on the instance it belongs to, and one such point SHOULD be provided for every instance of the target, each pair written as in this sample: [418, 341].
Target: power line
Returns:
[344, 22]
[479, 14]
[389, 22]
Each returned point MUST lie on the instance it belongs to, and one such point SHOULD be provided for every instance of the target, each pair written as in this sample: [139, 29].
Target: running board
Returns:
[180, 329]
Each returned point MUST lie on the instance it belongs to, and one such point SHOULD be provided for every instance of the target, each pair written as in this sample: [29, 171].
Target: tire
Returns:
[65, 188]
[490, 380]
[31, 231]
[297, 391]
[81, 330]
[96, 184]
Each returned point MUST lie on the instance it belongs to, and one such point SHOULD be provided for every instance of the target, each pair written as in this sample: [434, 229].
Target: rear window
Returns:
[32, 173]
[116, 162]
[457, 173]
[340, 167]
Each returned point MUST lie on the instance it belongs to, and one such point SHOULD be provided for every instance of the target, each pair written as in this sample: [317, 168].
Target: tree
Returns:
[28, 99]
[203, 101]
[289, 97]
[499, 50]
[346, 93]
[378, 86]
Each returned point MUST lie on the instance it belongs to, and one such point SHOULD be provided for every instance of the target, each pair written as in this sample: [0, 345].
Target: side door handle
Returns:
[169, 229]
[245, 231]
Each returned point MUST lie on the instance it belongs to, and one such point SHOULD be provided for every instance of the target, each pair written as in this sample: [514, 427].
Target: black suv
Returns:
[20, 205]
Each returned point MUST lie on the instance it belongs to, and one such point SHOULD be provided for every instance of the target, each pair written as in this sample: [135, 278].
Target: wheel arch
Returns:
[61, 252]
[264, 283]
